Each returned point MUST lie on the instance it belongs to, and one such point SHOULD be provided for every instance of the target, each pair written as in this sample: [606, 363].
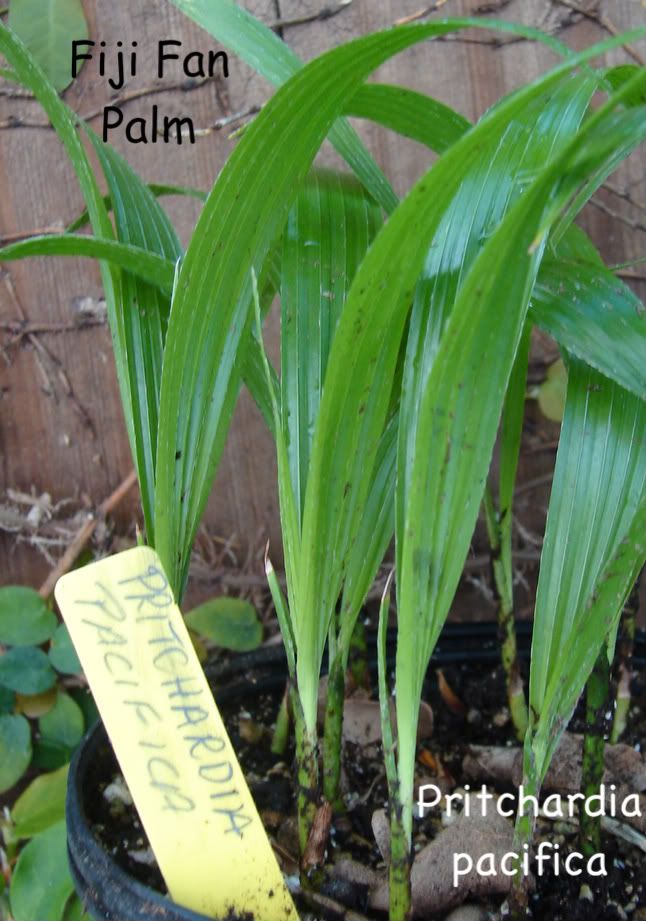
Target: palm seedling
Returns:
[438, 127]
[594, 548]
[445, 452]
[327, 233]
[314, 588]
[326, 236]
[442, 466]
[180, 356]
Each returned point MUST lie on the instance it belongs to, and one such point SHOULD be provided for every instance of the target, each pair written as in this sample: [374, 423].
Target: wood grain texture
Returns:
[61, 426]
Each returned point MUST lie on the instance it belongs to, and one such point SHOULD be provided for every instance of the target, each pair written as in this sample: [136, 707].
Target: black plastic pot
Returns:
[106, 890]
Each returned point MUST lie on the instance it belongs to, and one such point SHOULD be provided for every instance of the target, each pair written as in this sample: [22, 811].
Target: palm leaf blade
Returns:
[599, 481]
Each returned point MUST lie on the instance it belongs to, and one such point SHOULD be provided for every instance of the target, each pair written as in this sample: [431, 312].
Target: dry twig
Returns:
[55, 379]
[631, 276]
[185, 86]
[602, 20]
[19, 329]
[327, 12]
[420, 14]
[618, 216]
[227, 121]
[8, 238]
[84, 534]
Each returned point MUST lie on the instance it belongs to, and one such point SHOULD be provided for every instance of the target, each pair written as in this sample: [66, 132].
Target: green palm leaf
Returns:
[599, 485]
[266, 53]
[596, 317]
[210, 313]
[410, 114]
[572, 316]
[147, 266]
[358, 391]
[159, 190]
[455, 432]
[376, 531]
[328, 231]
[140, 221]
[508, 163]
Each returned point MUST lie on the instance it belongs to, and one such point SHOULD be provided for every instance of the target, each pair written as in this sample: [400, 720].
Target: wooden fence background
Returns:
[61, 426]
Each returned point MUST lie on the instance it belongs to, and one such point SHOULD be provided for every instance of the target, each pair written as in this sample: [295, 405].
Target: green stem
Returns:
[514, 681]
[332, 732]
[524, 832]
[594, 744]
[358, 656]
[624, 659]
[346, 658]
[307, 779]
[500, 542]
[399, 874]
[281, 730]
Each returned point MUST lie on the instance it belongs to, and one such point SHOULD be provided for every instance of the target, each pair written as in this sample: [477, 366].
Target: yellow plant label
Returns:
[170, 740]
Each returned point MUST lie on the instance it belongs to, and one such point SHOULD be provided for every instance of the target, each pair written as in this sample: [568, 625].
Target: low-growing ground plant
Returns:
[44, 712]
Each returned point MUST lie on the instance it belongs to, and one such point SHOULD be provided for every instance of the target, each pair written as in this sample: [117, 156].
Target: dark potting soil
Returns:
[481, 721]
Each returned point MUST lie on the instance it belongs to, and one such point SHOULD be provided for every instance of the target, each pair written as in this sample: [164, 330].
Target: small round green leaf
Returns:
[49, 756]
[64, 723]
[27, 670]
[25, 619]
[41, 883]
[7, 700]
[228, 622]
[47, 28]
[36, 705]
[62, 654]
[41, 805]
[15, 749]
